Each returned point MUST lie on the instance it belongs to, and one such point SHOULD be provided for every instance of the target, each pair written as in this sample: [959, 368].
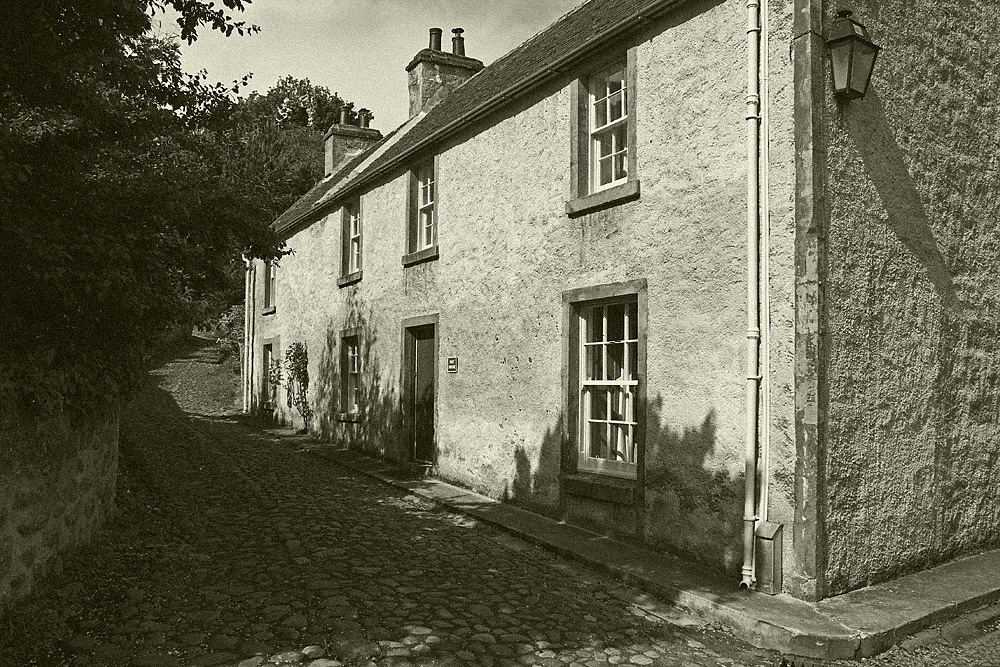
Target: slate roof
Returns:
[540, 58]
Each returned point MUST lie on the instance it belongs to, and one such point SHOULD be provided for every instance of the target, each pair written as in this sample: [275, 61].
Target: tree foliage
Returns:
[128, 189]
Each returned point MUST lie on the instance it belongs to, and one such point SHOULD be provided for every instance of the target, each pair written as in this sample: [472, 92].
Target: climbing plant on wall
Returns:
[297, 380]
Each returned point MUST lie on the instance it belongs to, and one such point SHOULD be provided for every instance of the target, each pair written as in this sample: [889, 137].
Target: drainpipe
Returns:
[753, 287]
[764, 430]
[247, 315]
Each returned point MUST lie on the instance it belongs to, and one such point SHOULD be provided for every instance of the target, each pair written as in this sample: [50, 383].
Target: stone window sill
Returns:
[616, 490]
[348, 416]
[626, 192]
[269, 310]
[349, 279]
[425, 255]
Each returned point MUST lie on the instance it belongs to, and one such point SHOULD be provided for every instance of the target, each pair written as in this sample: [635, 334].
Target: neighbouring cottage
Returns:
[611, 278]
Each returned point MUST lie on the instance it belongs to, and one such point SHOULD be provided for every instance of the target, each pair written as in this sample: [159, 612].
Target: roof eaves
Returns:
[524, 85]
[348, 183]
[332, 183]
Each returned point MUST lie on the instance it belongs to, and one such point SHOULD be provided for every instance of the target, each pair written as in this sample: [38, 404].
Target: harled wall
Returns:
[508, 251]
[913, 296]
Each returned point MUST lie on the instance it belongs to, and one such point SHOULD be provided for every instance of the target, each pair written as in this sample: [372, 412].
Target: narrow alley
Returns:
[233, 548]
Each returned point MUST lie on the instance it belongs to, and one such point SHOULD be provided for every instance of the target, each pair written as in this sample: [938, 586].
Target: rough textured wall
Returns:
[778, 416]
[695, 202]
[508, 251]
[914, 296]
[57, 486]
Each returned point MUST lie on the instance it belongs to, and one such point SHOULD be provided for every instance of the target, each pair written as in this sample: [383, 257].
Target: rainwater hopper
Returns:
[768, 557]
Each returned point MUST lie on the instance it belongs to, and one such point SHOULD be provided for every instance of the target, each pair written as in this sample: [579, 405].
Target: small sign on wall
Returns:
[452, 364]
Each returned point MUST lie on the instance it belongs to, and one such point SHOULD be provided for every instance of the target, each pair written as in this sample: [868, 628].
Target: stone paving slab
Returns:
[856, 625]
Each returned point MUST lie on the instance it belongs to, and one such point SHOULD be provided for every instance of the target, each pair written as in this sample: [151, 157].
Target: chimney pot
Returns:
[432, 75]
[364, 118]
[435, 44]
[344, 115]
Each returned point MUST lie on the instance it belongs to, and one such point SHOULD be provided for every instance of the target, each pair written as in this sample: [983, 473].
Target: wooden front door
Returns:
[421, 390]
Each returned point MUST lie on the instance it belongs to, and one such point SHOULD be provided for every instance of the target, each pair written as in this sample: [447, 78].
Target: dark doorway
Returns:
[421, 366]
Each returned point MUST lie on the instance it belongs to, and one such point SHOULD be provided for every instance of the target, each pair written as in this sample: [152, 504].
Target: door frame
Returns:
[405, 372]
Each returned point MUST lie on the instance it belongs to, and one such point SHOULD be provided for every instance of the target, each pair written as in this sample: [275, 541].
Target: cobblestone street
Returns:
[236, 549]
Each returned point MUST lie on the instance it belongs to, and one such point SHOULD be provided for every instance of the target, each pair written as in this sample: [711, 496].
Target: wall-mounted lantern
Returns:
[852, 56]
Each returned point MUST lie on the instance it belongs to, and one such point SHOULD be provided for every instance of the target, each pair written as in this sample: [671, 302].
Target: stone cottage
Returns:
[647, 274]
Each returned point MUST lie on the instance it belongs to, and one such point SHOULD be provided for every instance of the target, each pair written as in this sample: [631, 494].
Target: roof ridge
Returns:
[491, 88]
[534, 37]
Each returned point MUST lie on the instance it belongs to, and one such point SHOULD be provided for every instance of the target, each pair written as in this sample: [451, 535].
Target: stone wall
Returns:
[913, 296]
[508, 251]
[57, 486]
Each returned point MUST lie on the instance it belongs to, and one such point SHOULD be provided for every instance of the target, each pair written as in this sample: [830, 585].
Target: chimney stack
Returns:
[344, 141]
[435, 44]
[434, 73]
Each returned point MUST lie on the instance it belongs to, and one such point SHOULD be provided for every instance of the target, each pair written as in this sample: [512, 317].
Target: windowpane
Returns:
[352, 386]
[618, 405]
[633, 322]
[355, 255]
[605, 175]
[427, 227]
[633, 361]
[600, 113]
[599, 440]
[620, 135]
[595, 362]
[605, 144]
[616, 107]
[598, 404]
[616, 321]
[595, 324]
[616, 360]
[620, 444]
[620, 166]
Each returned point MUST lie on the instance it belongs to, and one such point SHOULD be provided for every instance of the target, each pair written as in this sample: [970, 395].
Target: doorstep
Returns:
[855, 625]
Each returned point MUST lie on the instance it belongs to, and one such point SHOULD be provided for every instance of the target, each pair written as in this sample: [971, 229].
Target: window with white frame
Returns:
[270, 278]
[609, 386]
[266, 388]
[426, 215]
[608, 125]
[350, 374]
[351, 255]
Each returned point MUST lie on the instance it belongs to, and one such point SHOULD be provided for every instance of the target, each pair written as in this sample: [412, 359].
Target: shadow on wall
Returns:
[866, 124]
[379, 429]
[537, 487]
[689, 508]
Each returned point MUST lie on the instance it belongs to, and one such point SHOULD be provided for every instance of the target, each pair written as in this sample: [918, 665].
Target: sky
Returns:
[360, 49]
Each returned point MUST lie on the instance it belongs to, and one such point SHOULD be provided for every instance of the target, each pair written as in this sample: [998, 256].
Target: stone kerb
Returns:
[57, 486]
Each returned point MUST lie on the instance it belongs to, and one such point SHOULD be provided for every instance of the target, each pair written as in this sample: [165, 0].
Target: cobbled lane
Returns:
[233, 548]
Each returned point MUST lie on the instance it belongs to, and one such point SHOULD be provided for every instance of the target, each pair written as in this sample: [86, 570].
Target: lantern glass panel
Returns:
[861, 70]
[840, 57]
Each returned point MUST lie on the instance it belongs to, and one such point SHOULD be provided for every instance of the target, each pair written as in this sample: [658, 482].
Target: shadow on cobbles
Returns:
[233, 547]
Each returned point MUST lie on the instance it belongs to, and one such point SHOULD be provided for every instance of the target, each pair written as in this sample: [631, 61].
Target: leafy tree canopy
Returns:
[129, 189]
